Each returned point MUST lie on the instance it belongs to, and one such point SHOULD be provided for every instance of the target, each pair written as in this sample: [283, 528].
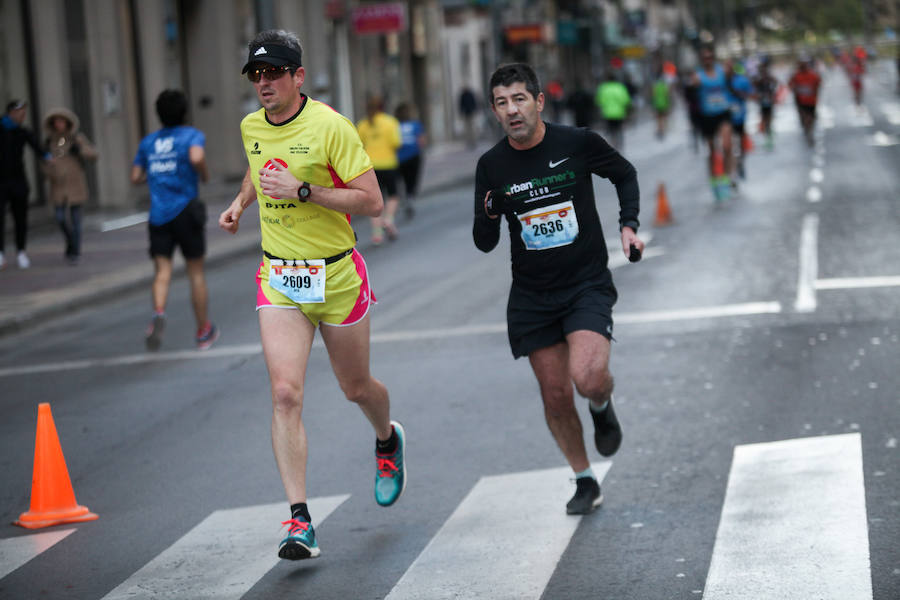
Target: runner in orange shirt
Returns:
[805, 83]
[855, 71]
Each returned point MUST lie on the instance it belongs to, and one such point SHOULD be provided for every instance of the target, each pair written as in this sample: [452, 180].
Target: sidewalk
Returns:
[114, 253]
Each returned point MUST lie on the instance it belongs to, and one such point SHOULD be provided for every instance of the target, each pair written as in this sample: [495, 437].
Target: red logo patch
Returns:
[271, 167]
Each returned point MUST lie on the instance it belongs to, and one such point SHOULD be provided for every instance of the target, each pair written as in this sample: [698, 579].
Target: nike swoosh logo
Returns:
[557, 163]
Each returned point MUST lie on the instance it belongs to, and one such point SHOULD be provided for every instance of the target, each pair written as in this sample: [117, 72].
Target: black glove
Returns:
[495, 203]
[75, 149]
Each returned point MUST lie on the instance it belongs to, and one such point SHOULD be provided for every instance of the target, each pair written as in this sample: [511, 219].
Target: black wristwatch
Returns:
[303, 191]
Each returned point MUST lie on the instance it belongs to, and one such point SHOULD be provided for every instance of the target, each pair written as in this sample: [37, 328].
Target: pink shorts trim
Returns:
[364, 299]
[366, 296]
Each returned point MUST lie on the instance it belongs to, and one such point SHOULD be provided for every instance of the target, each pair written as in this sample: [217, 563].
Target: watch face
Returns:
[304, 191]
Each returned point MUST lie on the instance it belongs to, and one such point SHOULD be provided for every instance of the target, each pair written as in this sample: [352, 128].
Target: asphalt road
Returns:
[772, 318]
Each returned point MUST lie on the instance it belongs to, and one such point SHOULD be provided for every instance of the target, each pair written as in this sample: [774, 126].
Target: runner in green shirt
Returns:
[613, 101]
[662, 103]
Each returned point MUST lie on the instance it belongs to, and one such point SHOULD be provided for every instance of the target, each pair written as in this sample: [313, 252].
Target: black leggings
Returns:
[15, 193]
[410, 170]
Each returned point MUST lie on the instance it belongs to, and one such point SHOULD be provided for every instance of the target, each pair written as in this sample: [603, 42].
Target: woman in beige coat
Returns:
[69, 149]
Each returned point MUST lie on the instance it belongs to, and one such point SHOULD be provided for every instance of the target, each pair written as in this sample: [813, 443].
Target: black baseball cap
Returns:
[15, 105]
[273, 54]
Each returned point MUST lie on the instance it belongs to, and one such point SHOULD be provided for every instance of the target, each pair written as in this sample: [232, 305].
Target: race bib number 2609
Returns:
[549, 226]
[303, 283]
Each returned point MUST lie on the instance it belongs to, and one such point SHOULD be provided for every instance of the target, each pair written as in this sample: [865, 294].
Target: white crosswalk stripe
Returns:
[220, 558]
[487, 548]
[794, 523]
[15, 552]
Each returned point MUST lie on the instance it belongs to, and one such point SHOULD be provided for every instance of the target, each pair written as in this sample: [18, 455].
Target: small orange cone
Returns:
[663, 212]
[52, 497]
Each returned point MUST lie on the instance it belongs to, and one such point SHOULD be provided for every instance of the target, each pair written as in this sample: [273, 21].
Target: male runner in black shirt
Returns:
[560, 303]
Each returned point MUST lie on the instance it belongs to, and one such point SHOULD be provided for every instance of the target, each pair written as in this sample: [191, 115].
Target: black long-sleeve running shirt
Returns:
[549, 176]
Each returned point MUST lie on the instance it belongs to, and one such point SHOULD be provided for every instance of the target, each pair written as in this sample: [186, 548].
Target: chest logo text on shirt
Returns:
[551, 181]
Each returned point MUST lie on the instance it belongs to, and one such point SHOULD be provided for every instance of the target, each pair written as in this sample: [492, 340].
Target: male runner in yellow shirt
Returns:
[308, 173]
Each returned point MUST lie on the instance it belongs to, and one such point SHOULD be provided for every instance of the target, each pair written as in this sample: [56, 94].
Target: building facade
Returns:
[108, 60]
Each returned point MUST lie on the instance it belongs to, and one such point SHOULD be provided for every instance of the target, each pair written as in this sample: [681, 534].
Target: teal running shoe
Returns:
[390, 473]
[721, 187]
[300, 542]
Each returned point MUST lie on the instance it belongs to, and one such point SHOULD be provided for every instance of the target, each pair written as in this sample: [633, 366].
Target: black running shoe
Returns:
[587, 497]
[154, 332]
[607, 432]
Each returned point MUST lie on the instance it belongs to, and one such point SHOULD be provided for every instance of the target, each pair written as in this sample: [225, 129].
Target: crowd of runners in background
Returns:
[716, 94]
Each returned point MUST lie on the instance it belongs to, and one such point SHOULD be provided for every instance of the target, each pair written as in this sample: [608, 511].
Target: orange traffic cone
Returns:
[52, 497]
[663, 212]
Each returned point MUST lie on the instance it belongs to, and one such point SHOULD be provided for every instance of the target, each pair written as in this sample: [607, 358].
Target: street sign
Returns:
[379, 18]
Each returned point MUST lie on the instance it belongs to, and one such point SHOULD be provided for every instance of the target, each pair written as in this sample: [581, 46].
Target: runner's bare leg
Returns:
[287, 337]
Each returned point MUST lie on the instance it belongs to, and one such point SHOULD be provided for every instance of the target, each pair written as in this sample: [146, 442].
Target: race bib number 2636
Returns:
[549, 226]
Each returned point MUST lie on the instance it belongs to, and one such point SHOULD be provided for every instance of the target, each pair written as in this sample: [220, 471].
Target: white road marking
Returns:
[794, 523]
[891, 112]
[15, 552]
[814, 194]
[816, 175]
[859, 116]
[880, 138]
[503, 541]
[703, 312]
[222, 557]
[845, 283]
[825, 117]
[124, 222]
[134, 359]
[809, 265]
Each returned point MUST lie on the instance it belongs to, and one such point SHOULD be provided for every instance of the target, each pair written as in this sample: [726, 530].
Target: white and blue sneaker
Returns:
[390, 471]
[300, 542]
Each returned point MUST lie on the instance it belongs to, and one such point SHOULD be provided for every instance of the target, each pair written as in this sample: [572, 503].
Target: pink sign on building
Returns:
[379, 18]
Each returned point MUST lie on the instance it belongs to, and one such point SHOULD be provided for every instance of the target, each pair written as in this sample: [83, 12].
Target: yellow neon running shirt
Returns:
[381, 139]
[320, 146]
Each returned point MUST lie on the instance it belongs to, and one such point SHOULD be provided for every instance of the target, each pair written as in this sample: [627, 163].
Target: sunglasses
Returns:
[269, 73]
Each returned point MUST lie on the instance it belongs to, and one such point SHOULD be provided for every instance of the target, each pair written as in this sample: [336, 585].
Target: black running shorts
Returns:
[807, 109]
[387, 181]
[185, 231]
[538, 319]
[709, 124]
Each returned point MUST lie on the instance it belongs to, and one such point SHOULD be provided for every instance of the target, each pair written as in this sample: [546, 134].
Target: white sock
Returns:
[589, 472]
[598, 408]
